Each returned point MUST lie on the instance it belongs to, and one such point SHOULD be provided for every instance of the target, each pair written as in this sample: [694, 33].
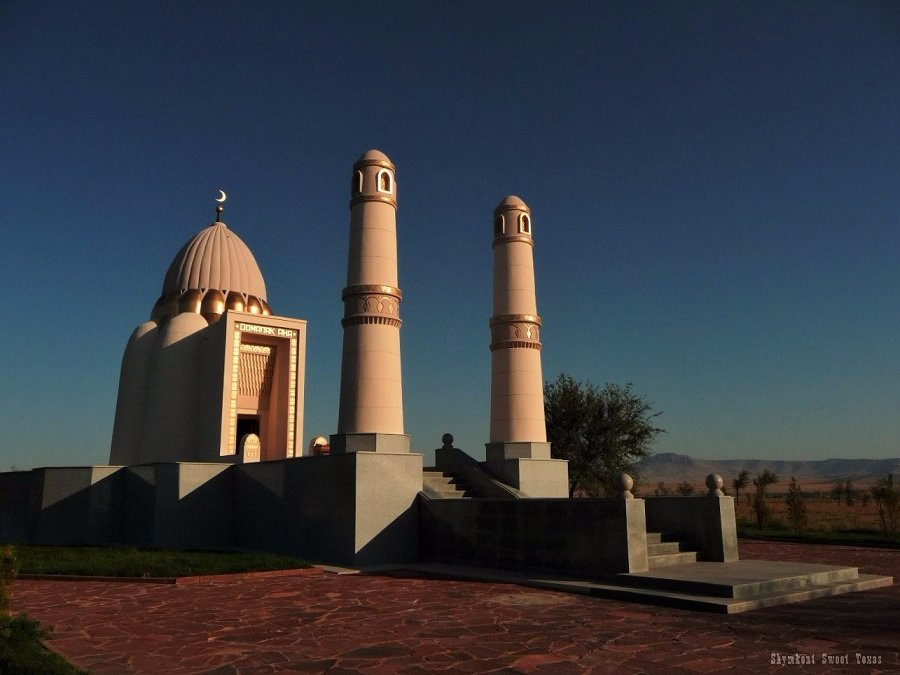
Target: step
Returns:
[663, 548]
[439, 480]
[740, 579]
[446, 489]
[442, 485]
[727, 605]
[654, 538]
[671, 559]
[653, 596]
[444, 480]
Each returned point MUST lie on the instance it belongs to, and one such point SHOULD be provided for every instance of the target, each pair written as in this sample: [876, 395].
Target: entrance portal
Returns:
[246, 424]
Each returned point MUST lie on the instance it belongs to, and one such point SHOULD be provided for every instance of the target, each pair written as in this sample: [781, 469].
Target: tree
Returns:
[887, 497]
[684, 489]
[850, 493]
[739, 483]
[662, 490]
[602, 432]
[796, 506]
[837, 491]
[761, 482]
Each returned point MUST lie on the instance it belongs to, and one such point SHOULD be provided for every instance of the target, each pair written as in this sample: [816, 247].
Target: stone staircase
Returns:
[666, 553]
[438, 484]
[726, 588]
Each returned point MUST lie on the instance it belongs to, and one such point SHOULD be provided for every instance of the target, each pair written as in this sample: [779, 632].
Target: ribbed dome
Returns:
[215, 258]
[212, 273]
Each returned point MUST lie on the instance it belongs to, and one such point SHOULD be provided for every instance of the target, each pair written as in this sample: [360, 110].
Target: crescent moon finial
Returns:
[219, 208]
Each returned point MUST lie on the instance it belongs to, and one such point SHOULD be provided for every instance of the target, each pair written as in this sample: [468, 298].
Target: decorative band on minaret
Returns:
[518, 429]
[370, 417]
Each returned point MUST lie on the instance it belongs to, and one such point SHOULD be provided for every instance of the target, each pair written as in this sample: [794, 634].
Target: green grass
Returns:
[860, 537]
[21, 650]
[132, 562]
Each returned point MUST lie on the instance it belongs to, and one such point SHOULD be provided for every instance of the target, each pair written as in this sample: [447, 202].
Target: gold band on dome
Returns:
[514, 318]
[384, 164]
[372, 198]
[515, 344]
[370, 319]
[366, 289]
[197, 301]
[509, 238]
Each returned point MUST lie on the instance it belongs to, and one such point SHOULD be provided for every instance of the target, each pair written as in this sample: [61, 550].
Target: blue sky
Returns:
[714, 188]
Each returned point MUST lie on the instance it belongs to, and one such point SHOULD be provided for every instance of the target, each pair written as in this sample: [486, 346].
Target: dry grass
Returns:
[824, 514]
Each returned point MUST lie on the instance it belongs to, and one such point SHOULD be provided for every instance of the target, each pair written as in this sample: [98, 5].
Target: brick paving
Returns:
[320, 622]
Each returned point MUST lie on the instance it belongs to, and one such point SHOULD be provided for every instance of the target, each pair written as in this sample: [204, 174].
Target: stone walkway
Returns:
[321, 622]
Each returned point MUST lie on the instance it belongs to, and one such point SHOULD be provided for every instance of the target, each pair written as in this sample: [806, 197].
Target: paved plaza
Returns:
[316, 621]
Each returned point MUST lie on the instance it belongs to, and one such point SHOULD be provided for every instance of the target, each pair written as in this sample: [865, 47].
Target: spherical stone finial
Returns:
[715, 482]
[624, 483]
[447, 440]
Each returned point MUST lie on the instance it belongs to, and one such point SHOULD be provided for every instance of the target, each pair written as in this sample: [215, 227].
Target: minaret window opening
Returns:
[524, 224]
[385, 182]
[499, 225]
[356, 185]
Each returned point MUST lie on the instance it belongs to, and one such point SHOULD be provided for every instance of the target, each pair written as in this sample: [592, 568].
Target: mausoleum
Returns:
[211, 365]
[207, 444]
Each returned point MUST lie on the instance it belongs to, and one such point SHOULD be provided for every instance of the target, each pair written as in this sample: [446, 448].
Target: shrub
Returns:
[796, 506]
[21, 651]
[685, 489]
[761, 482]
[887, 498]
[8, 569]
[662, 490]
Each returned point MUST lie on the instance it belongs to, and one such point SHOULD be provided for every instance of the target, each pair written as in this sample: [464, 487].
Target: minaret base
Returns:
[533, 477]
[516, 450]
[389, 443]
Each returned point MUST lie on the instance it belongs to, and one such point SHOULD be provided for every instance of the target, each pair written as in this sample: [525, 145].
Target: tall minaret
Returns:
[370, 417]
[517, 388]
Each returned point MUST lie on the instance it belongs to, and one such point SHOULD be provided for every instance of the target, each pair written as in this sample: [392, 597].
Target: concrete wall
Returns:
[533, 477]
[355, 509]
[192, 506]
[301, 507]
[593, 537]
[75, 505]
[706, 524]
[15, 502]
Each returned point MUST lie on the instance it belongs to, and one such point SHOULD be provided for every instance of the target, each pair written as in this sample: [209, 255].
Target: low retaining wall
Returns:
[705, 524]
[15, 505]
[590, 537]
[353, 509]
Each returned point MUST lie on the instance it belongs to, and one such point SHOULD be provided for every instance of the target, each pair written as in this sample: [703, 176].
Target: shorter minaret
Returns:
[370, 417]
[517, 387]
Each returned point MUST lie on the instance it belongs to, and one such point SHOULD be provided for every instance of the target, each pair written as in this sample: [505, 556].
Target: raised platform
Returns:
[725, 588]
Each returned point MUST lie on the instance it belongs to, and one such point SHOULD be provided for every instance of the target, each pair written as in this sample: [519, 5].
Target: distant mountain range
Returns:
[673, 468]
